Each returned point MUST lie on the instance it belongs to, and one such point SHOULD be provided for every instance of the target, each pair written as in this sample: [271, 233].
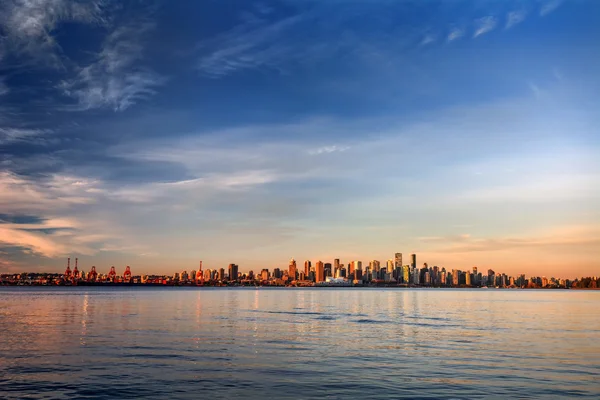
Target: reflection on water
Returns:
[304, 343]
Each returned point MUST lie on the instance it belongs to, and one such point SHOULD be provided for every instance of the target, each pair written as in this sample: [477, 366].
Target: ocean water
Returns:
[102, 343]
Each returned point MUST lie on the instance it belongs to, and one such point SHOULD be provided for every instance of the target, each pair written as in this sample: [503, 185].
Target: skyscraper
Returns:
[389, 266]
[307, 266]
[292, 270]
[397, 266]
[233, 272]
[455, 274]
[327, 269]
[320, 271]
[413, 261]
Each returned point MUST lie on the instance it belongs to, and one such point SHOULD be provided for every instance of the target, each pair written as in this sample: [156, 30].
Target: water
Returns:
[298, 343]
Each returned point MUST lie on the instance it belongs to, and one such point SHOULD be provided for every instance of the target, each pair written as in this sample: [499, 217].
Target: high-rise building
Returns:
[415, 276]
[397, 265]
[264, 274]
[233, 272]
[292, 270]
[320, 271]
[327, 268]
[455, 275]
[413, 258]
[336, 266]
[389, 266]
[221, 274]
[406, 273]
[422, 273]
[208, 274]
[374, 265]
[307, 265]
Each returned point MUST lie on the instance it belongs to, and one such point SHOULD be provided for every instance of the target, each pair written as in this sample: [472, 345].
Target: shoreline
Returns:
[268, 287]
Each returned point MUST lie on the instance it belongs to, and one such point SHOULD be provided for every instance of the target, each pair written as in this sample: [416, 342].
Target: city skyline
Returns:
[317, 266]
[156, 134]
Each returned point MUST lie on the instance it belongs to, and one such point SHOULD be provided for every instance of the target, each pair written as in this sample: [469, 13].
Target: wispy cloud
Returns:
[253, 44]
[568, 236]
[549, 6]
[32, 238]
[328, 149]
[484, 25]
[3, 88]
[28, 24]
[112, 80]
[8, 135]
[515, 17]
[455, 33]
[429, 38]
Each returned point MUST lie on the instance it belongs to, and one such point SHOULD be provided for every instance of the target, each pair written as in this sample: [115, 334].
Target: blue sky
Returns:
[158, 134]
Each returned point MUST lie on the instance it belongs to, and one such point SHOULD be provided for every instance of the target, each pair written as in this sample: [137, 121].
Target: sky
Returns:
[158, 134]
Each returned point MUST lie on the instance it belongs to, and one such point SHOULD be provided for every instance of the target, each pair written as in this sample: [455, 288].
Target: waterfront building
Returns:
[398, 260]
[415, 276]
[292, 272]
[406, 273]
[307, 267]
[455, 274]
[320, 271]
[413, 258]
[233, 272]
[389, 266]
[264, 274]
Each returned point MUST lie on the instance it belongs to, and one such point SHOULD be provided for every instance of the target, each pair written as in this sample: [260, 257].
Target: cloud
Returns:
[428, 39]
[113, 80]
[3, 88]
[28, 24]
[514, 17]
[549, 6]
[484, 25]
[455, 33]
[27, 238]
[567, 236]
[18, 194]
[328, 149]
[251, 45]
[10, 135]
